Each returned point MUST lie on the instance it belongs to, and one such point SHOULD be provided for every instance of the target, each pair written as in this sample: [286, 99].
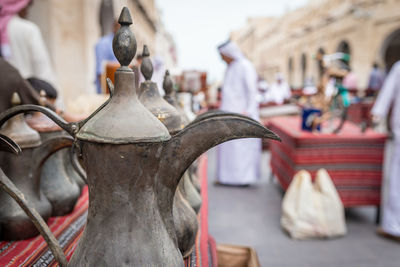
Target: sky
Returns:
[199, 26]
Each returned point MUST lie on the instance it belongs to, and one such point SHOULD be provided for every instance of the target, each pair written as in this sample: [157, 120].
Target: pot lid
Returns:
[18, 130]
[150, 97]
[123, 119]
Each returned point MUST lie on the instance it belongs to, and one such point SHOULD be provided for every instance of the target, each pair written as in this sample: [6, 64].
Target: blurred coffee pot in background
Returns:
[25, 171]
[58, 176]
[170, 97]
[185, 218]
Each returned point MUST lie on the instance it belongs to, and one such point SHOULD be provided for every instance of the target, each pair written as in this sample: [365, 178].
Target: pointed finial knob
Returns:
[15, 99]
[167, 83]
[146, 67]
[124, 42]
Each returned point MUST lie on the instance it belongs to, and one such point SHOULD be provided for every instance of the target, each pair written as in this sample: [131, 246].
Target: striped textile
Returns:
[68, 230]
[34, 251]
[353, 159]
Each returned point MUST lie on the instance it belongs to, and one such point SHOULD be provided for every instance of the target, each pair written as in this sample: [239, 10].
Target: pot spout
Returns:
[202, 135]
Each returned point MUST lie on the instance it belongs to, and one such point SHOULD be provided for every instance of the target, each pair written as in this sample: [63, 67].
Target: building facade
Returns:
[72, 28]
[369, 30]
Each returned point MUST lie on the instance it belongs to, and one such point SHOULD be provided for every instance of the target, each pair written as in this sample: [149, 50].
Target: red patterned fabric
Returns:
[360, 112]
[204, 211]
[353, 159]
[68, 229]
[34, 251]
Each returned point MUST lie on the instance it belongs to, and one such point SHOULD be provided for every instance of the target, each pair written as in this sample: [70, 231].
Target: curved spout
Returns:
[218, 113]
[202, 135]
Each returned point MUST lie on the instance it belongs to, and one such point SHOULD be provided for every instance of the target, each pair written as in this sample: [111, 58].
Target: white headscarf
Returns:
[231, 50]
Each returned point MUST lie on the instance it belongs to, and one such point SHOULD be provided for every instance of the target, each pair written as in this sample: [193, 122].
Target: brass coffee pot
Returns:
[25, 172]
[133, 168]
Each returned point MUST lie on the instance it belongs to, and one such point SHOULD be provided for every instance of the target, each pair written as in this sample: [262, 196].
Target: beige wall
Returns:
[364, 24]
[71, 29]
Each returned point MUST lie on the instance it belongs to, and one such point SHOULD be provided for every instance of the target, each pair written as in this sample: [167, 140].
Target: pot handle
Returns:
[8, 186]
[48, 148]
[76, 165]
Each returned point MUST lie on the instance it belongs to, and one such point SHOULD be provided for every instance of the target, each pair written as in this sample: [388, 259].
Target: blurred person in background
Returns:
[376, 78]
[238, 160]
[388, 96]
[104, 53]
[10, 82]
[279, 91]
[158, 74]
[28, 90]
[350, 81]
[263, 87]
[136, 63]
[22, 43]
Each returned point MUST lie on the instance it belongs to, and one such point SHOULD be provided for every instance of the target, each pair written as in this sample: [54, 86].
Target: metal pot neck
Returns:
[123, 120]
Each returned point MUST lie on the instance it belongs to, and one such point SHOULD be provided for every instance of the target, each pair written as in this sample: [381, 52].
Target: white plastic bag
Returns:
[312, 211]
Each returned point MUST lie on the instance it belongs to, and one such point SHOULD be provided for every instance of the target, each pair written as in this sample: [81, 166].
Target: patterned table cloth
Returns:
[69, 228]
[353, 159]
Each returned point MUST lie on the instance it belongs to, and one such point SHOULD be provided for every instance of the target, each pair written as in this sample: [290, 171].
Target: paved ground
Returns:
[250, 216]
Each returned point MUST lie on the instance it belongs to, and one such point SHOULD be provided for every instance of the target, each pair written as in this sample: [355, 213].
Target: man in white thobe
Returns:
[22, 42]
[390, 94]
[279, 91]
[238, 160]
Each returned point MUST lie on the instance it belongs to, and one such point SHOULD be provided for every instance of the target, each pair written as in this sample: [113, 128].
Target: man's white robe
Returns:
[238, 160]
[390, 94]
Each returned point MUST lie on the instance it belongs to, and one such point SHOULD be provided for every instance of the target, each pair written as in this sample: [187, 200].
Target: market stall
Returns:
[353, 159]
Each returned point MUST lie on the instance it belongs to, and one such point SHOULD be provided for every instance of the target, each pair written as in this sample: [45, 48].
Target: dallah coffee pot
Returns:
[57, 181]
[170, 97]
[185, 218]
[25, 172]
[133, 168]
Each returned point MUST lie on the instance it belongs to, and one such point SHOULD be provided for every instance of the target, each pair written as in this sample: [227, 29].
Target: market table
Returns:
[360, 112]
[354, 160]
[68, 229]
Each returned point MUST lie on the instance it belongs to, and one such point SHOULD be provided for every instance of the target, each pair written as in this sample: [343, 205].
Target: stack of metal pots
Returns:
[136, 150]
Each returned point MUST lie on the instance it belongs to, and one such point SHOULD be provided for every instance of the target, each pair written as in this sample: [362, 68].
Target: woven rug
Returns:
[353, 159]
[34, 251]
[68, 229]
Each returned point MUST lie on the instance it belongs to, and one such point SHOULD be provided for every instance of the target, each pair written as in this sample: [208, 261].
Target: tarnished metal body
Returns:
[25, 171]
[8, 145]
[56, 183]
[14, 223]
[126, 225]
[185, 222]
[133, 168]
